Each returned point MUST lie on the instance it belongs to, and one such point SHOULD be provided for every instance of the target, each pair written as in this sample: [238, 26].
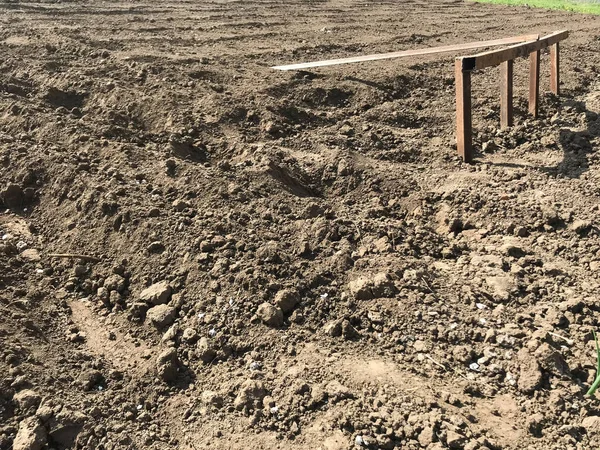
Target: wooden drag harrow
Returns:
[526, 45]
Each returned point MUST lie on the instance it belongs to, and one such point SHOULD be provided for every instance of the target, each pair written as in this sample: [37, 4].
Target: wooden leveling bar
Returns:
[405, 53]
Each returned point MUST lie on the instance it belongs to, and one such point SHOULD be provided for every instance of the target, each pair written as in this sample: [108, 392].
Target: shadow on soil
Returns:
[575, 145]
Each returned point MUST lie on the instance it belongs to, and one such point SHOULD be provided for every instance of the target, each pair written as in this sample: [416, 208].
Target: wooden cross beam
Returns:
[405, 53]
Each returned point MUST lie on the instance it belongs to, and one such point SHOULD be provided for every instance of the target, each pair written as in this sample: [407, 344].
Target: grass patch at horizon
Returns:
[568, 5]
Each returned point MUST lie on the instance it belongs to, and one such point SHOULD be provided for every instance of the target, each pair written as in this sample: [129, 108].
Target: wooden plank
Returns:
[534, 82]
[506, 96]
[405, 53]
[496, 57]
[555, 68]
[464, 126]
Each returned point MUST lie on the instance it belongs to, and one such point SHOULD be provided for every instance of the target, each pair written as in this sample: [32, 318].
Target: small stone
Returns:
[156, 247]
[489, 147]
[383, 286]
[44, 412]
[157, 294]
[287, 300]
[31, 254]
[211, 398]
[333, 328]
[103, 294]
[271, 127]
[171, 165]
[170, 334]
[31, 435]
[161, 316]
[551, 216]
[189, 335]
[347, 130]
[205, 351]
[530, 374]
[421, 346]
[382, 245]
[27, 399]
[89, 378]
[502, 286]
[551, 360]
[12, 196]
[511, 249]
[581, 226]
[270, 315]
[79, 270]
[180, 205]
[454, 439]
[336, 391]
[521, 231]
[535, 424]
[167, 364]
[115, 298]
[591, 424]
[426, 437]
[115, 283]
[20, 382]
[348, 331]
[366, 288]
[361, 289]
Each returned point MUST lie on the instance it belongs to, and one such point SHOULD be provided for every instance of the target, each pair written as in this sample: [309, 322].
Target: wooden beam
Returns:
[496, 57]
[534, 82]
[405, 53]
[555, 68]
[506, 96]
[464, 126]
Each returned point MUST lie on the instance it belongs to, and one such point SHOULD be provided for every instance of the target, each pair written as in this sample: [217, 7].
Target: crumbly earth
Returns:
[293, 260]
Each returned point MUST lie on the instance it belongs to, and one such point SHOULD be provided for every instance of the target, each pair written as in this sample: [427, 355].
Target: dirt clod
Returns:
[270, 315]
[250, 395]
[167, 365]
[30, 436]
[157, 294]
[161, 316]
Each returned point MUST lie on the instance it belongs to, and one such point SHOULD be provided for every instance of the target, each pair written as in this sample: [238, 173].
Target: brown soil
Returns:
[291, 260]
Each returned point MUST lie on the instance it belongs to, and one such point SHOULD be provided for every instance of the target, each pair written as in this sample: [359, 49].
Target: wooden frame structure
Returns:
[525, 45]
[504, 57]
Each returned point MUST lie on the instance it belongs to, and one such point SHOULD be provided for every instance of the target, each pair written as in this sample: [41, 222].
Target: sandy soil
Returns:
[291, 260]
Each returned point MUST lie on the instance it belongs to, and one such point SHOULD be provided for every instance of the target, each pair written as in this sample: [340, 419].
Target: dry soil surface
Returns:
[291, 260]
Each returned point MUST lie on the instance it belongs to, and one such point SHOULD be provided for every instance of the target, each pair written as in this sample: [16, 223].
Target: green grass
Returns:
[573, 5]
[594, 387]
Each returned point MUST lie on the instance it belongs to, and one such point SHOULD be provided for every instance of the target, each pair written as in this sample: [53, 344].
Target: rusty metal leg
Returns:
[506, 97]
[464, 131]
[534, 82]
[555, 68]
